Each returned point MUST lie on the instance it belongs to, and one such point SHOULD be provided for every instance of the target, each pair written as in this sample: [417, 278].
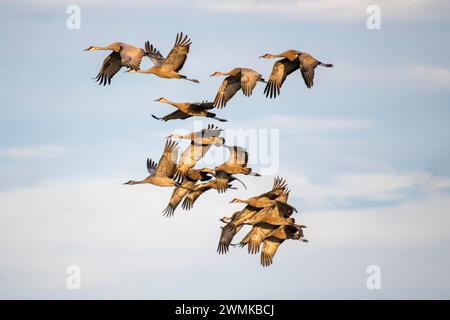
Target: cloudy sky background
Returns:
[365, 152]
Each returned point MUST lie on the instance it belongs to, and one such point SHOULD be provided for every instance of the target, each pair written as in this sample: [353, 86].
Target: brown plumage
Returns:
[275, 238]
[197, 191]
[189, 158]
[278, 214]
[210, 135]
[122, 55]
[187, 184]
[168, 67]
[189, 109]
[292, 60]
[236, 221]
[237, 162]
[256, 236]
[244, 79]
[161, 174]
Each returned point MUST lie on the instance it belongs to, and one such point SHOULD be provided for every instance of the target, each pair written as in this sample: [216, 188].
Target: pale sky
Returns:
[365, 151]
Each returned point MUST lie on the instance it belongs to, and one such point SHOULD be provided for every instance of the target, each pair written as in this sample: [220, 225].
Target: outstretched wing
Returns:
[111, 65]
[256, 236]
[177, 195]
[192, 196]
[270, 246]
[131, 56]
[168, 162]
[226, 236]
[238, 156]
[201, 106]
[230, 85]
[178, 54]
[248, 81]
[153, 54]
[211, 131]
[278, 188]
[281, 69]
[307, 66]
[151, 166]
[178, 114]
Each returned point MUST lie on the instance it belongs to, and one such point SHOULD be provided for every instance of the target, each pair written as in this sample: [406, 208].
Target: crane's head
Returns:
[236, 200]
[91, 48]
[163, 100]
[267, 56]
[129, 182]
[215, 74]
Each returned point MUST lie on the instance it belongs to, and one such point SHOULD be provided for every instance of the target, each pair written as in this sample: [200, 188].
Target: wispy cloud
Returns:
[328, 10]
[430, 76]
[378, 187]
[43, 151]
[319, 10]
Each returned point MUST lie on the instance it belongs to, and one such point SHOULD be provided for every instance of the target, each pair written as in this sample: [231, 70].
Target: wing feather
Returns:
[168, 162]
[281, 69]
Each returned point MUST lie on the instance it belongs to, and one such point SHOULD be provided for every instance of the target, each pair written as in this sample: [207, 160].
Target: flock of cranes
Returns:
[268, 214]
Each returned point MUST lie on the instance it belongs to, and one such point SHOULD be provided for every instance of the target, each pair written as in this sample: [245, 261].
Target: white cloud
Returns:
[381, 187]
[430, 76]
[43, 151]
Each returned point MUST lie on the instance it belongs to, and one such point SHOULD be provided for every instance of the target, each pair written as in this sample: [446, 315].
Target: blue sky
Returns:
[365, 152]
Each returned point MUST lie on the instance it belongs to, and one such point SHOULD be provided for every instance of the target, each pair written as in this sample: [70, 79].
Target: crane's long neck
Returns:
[225, 74]
[132, 182]
[112, 47]
[176, 105]
[277, 55]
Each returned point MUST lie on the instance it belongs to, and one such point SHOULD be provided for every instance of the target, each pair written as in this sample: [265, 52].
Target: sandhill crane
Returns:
[236, 79]
[275, 238]
[235, 222]
[210, 135]
[292, 60]
[278, 215]
[279, 189]
[263, 201]
[187, 185]
[122, 55]
[260, 230]
[161, 174]
[168, 67]
[188, 109]
[195, 151]
[256, 236]
[236, 164]
[197, 191]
